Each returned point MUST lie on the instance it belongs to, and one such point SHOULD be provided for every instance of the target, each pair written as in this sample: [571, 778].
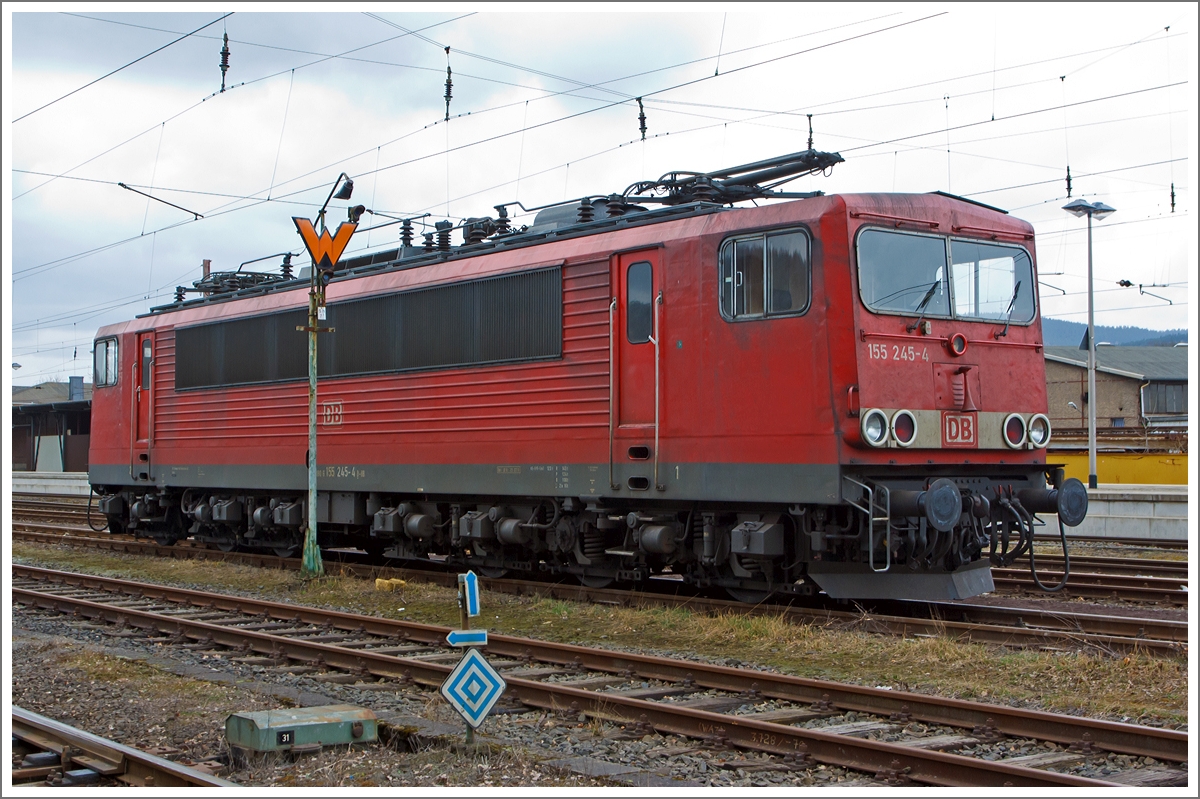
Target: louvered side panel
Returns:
[566, 393]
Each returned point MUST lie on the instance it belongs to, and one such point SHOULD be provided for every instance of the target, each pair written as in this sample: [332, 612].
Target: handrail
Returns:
[658, 301]
[133, 409]
[612, 388]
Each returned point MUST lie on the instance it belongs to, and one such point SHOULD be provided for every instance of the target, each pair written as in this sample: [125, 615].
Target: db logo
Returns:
[331, 414]
[958, 430]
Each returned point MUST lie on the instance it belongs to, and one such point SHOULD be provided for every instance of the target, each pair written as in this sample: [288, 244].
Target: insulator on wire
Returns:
[443, 234]
[810, 131]
[224, 61]
[1172, 198]
[285, 268]
[641, 118]
[406, 233]
[179, 292]
[428, 243]
[1068, 181]
[502, 226]
[449, 85]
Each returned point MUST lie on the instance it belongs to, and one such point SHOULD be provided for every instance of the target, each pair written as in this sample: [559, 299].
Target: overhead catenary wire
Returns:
[197, 104]
[522, 126]
[578, 114]
[118, 69]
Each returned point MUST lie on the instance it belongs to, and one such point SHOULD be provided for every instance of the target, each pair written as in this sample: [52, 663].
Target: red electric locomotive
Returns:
[844, 393]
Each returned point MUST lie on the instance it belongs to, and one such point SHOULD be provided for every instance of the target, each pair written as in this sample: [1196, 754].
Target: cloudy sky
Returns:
[992, 102]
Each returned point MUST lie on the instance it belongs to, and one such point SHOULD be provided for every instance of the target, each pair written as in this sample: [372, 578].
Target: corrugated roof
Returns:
[1147, 363]
[46, 392]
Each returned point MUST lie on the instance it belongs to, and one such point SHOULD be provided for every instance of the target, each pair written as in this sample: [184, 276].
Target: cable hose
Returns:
[91, 496]
[1062, 532]
[531, 524]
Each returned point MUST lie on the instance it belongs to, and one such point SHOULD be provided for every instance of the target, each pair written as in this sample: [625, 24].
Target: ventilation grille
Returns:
[494, 320]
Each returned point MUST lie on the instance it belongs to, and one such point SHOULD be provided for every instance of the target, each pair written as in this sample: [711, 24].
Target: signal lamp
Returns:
[904, 428]
[958, 344]
[1039, 430]
[1015, 430]
[874, 427]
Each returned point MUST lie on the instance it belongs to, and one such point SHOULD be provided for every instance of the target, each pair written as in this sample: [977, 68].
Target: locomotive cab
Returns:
[945, 431]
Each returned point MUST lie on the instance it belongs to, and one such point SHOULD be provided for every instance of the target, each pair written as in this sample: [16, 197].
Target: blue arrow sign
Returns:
[473, 688]
[467, 638]
[470, 585]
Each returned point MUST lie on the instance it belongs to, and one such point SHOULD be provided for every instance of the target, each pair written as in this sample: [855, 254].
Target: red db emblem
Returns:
[958, 430]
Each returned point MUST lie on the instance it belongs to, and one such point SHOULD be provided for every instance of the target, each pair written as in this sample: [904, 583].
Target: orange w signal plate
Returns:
[324, 249]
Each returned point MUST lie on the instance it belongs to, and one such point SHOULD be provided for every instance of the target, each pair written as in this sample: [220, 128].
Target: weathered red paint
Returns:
[770, 391]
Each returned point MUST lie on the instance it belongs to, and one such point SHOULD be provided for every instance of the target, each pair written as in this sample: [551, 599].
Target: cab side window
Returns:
[765, 274]
[104, 363]
[639, 314]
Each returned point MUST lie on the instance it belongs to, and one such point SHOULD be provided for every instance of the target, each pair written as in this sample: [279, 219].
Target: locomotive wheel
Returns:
[595, 580]
[227, 546]
[749, 596]
[286, 552]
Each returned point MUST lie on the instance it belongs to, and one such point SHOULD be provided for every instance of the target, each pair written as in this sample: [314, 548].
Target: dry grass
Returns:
[1137, 687]
[143, 706]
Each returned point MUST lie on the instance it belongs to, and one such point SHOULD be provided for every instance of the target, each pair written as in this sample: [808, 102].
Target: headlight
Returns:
[1015, 430]
[875, 427]
[904, 428]
[1039, 430]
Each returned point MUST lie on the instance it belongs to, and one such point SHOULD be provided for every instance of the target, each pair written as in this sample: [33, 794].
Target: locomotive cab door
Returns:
[637, 329]
[142, 386]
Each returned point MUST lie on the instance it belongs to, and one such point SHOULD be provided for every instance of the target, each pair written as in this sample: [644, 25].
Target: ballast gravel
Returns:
[521, 748]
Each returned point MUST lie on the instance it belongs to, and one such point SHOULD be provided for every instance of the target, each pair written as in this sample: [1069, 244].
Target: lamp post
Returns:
[311, 565]
[1098, 210]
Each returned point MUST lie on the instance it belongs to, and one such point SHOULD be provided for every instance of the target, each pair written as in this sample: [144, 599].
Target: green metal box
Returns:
[301, 729]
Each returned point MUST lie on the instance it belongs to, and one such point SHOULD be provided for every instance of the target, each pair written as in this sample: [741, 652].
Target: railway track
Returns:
[722, 707]
[1011, 627]
[48, 752]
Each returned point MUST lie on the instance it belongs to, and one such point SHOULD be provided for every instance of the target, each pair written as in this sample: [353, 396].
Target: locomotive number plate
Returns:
[959, 430]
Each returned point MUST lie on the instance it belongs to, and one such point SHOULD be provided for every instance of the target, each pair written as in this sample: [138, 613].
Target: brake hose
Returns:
[91, 496]
[1062, 532]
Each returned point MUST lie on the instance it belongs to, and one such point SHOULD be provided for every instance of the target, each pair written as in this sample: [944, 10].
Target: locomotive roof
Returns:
[554, 224]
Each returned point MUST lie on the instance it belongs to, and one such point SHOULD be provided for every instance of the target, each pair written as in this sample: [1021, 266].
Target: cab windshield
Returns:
[913, 274]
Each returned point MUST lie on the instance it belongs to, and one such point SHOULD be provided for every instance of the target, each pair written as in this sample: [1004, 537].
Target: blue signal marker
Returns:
[470, 585]
[473, 688]
[467, 638]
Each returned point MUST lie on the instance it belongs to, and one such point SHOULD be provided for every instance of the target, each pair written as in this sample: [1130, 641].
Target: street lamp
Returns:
[1098, 210]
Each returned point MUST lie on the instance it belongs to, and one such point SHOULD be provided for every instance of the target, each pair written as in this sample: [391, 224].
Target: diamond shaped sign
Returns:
[473, 687]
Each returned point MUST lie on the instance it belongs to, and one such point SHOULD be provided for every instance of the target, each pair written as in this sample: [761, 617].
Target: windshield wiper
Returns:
[933, 287]
[1011, 304]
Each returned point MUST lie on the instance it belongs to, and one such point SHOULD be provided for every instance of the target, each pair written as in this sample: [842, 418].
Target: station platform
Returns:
[71, 483]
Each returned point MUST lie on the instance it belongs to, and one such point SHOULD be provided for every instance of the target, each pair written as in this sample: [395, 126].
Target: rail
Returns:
[398, 651]
[106, 758]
